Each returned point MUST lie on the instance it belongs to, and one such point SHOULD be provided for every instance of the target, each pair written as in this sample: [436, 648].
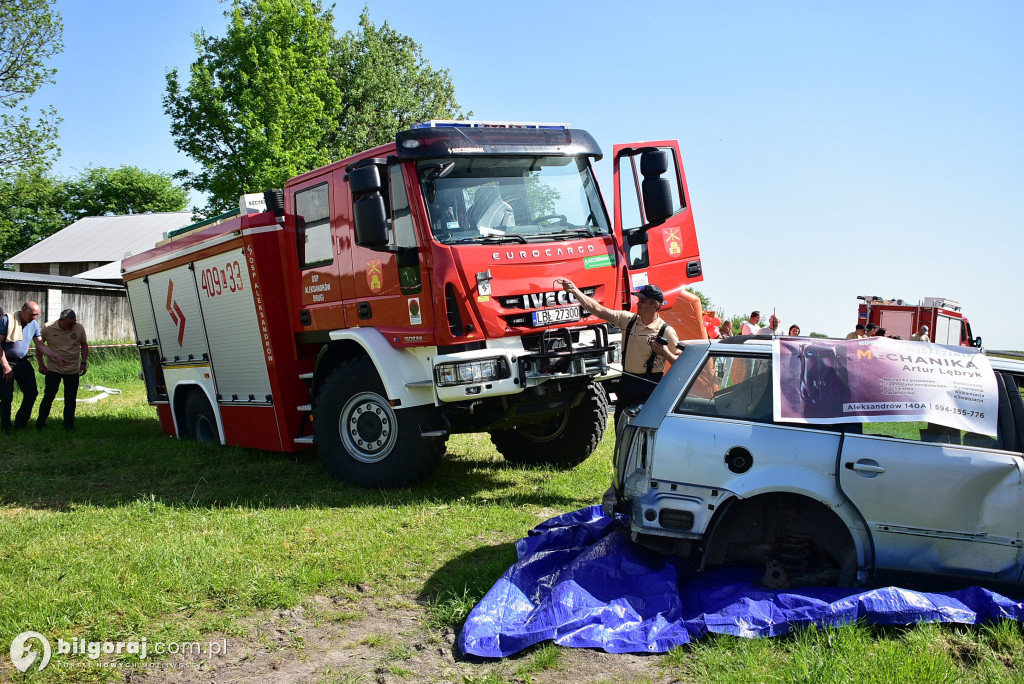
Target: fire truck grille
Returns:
[534, 300]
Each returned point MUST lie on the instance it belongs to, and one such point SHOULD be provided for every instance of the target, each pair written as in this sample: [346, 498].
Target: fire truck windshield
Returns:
[515, 198]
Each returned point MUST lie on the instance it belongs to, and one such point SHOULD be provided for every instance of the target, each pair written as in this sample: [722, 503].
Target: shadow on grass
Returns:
[456, 587]
[113, 461]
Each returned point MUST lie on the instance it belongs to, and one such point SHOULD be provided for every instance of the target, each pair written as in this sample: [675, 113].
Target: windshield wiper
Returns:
[494, 239]
[567, 234]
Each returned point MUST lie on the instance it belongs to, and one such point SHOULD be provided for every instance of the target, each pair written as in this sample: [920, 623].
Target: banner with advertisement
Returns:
[881, 380]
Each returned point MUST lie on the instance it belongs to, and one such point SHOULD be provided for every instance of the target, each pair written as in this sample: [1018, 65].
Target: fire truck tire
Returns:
[564, 441]
[364, 440]
[200, 423]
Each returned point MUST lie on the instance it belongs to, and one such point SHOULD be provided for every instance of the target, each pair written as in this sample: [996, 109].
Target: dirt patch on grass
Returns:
[370, 639]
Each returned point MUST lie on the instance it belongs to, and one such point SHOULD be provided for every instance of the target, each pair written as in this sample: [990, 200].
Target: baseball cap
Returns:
[68, 313]
[872, 326]
[650, 292]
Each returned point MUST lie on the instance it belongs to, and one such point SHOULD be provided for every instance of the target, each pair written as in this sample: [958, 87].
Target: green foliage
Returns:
[279, 95]
[124, 190]
[258, 101]
[386, 85]
[31, 208]
[35, 204]
[30, 33]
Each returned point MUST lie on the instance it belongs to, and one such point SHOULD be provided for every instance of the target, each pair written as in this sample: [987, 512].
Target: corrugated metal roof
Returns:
[62, 281]
[103, 238]
[111, 271]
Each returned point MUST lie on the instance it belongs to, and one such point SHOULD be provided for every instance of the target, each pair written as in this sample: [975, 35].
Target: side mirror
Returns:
[369, 212]
[976, 342]
[371, 221]
[656, 189]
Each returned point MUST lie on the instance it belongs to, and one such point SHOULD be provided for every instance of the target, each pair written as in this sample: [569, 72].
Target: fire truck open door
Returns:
[661, 252]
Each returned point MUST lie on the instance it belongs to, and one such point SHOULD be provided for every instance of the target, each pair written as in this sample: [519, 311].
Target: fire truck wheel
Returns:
[563, 441]
[362, 439]
[199, 419]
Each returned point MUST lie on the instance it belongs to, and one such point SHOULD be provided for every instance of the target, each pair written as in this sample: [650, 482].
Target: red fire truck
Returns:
[946, 325]
[381, 303]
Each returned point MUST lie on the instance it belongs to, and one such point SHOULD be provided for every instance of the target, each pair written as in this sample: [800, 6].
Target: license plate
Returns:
[565, 314]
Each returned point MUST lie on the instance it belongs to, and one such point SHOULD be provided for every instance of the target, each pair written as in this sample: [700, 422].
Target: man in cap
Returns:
[17, 331]
[872, 330]
[643, 357]
[921, 335]
[66, 336]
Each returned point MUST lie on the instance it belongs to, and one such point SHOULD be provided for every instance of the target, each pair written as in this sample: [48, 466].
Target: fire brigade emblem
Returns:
[673, 242]
[374, 275]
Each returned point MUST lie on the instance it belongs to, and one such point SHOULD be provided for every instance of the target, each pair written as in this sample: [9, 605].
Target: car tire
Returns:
[564, 441]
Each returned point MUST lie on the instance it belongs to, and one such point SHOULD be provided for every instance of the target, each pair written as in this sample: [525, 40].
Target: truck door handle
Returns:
[364, 310]
[865, 466]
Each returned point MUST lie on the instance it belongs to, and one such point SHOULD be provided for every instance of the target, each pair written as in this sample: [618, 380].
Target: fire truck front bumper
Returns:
[497, 371]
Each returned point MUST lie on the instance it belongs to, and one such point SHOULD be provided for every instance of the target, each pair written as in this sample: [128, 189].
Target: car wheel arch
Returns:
[752, 524]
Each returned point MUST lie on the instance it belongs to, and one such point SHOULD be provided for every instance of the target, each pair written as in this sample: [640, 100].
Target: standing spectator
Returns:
[921, 335]
[871, 330]
[859, 333]
[772, 328]
[725, 330]
[643, 357]
[67, 337]
[752, 325]
[17, 331]
[794, 330]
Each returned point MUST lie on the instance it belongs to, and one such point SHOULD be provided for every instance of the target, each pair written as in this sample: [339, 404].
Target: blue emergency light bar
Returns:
[453, 123]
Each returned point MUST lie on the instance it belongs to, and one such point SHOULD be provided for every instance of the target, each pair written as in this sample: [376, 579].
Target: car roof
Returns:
[1012, 361]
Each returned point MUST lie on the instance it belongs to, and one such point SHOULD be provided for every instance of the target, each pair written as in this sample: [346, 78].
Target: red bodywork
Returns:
[946, 324]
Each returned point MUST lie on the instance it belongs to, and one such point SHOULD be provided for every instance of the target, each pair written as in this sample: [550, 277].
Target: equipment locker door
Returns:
[233, 329]
[178, 321]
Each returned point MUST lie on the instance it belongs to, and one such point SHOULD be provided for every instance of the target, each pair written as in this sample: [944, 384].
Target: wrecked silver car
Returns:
[705, 470]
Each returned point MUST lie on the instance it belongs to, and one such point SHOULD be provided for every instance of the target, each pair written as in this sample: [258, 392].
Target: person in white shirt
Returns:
[752, 325]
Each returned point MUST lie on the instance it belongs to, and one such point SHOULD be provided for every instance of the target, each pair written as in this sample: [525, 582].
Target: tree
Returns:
[386, 86]
[30, 33]
[31, 208]
[124, 190]
[258, 101]
[280, 95]
[34, 204]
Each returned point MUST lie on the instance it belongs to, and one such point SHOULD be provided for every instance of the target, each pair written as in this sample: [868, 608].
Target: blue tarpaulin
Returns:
[581, 582]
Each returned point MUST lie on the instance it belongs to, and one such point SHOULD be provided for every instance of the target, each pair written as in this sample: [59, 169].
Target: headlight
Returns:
[471, 372]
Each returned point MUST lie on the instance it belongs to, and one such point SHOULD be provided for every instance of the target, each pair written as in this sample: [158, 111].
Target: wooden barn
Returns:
[101, 307]
[90, 250]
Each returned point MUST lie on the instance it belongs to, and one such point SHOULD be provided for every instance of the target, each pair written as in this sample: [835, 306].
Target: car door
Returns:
[939, 500]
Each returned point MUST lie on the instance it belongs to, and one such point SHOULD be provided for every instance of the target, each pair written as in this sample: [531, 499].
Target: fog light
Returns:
[675, 520]
[471, 372]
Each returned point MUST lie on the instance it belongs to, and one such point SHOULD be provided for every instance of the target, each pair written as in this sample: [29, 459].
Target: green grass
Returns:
[116, 531]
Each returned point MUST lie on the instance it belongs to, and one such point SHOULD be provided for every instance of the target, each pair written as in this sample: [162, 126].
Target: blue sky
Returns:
[831, 149]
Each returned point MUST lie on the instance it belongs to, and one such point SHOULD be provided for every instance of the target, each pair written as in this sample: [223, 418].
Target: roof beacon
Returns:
[451, 123]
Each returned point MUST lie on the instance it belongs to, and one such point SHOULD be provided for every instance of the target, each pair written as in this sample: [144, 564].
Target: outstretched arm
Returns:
[589, 303]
